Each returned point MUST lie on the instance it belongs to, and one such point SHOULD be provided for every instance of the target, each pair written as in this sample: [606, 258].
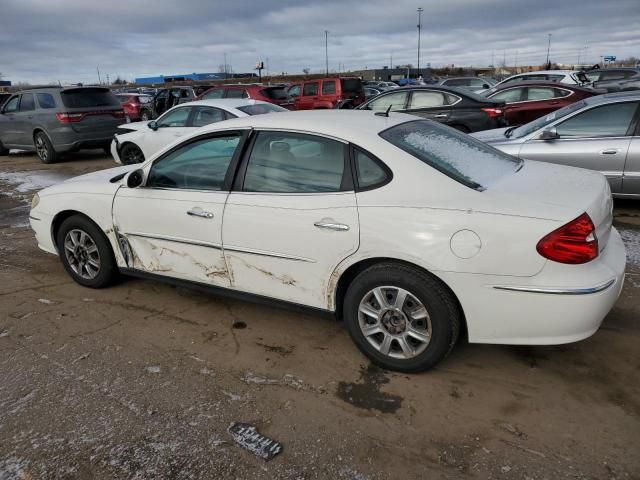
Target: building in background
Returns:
[191, 77]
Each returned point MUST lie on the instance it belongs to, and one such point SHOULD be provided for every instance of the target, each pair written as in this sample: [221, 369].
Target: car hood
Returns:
[492, 136]
[134, 126]
[96, 182]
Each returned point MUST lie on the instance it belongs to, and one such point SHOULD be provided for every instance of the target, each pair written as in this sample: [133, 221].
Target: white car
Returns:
[570, 77]
[408, 230]
[143, 139]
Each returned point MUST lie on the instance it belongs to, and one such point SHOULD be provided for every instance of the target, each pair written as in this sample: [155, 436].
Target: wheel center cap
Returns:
[394, 321]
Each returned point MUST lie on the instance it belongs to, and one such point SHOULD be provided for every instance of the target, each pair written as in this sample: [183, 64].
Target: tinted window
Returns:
[310, 89]
[89, 97]
[509, 96]
[560, 92]
[27, 102]
[274, 93]
[206, 115]
[261, 108]
[397, 101]
[351, 85]
[46, 100]
[12, 105]
[236, 93]
[217, 93]
[427, 99]
[455, 154]
[175, 118]
[328, 87]
[294, 163]
[540, 93]
[619, 75]
[457, 82]
[605, 121]
[200, 165]
[370, 173]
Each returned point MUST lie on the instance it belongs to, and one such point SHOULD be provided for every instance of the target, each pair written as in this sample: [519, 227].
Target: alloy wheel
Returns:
[82, 254]
[132, 155]
[41, 148]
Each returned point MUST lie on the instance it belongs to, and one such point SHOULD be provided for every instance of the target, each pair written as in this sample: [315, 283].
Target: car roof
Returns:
[539, 83]
[542, 72]
[613, 97]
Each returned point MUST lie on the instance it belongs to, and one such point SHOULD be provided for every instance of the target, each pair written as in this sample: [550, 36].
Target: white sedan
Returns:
[140, 140]
[406, 229]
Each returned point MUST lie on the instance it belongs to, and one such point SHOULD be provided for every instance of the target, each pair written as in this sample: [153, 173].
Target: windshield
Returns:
[542, 122]
[261, 108]
[275, 93]
[457, 155]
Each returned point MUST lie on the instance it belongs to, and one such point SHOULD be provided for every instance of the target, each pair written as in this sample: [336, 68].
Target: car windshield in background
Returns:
[88, 98]
[261, 108]
[461, 157]
[351, 85]
[275, 93]
[542, 122]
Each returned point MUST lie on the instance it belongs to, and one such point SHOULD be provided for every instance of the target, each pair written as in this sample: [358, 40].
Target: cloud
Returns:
[66, 40]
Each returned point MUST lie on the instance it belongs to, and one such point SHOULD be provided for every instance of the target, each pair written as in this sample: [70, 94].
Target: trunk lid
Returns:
[92, 109]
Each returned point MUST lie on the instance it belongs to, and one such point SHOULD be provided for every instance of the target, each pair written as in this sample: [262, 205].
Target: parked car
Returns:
[167, 98]
[408, 230]
[526, 101]
[460, 109]
[370, 92]
[615, 79]
[326, 93]
[570, 77]
[53, 120]
[139, 141]
[469, 83]
[275, 94]
[377, 85]
[136, 106]
[4, 97]
[599, 133]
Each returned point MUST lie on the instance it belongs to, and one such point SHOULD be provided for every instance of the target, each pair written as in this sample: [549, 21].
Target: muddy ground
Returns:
[143, 380]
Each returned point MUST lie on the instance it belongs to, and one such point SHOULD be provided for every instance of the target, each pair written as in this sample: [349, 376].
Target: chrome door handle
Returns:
[198, 212]
[610, 151]
[340, 227]
[441, 115]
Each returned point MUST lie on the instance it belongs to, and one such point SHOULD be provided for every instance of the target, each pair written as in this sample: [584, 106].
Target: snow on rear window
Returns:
[453, 153]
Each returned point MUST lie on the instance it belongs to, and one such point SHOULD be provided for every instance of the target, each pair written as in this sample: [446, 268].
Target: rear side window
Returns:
[426, 99]
[283, 162]
[89, 98]
[370, 173]
[206, 115]
[509, 96]
[217, 93]
[261, 108]
[310, 89]
[329, 87]
[540, 93]
[351, 85]
[605, 121]
[236, 93]
[27, 102]
[46, 100]
[457, 82]
[457, 155]
[274, 93]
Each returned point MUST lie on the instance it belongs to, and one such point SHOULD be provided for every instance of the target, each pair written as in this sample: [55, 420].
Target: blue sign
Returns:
[609, 58]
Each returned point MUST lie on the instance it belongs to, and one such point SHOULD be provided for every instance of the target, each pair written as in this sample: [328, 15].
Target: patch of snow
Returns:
[631, 239]
[30, 181]
[153, 369]
[12, 467]
[46, 301]
[4, 333]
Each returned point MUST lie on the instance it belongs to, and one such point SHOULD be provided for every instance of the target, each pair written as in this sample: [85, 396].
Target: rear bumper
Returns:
[65, 139]
[562, 304]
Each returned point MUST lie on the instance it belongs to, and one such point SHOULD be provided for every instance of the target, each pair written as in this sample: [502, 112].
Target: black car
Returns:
[457, 108]
[167, 98]
[614, 79]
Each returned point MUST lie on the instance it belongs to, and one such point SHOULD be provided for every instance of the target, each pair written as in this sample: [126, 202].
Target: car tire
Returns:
[44, 148]
[415, 328]
[131, 154]
[145, 115]
[86, 253]
[3, 151]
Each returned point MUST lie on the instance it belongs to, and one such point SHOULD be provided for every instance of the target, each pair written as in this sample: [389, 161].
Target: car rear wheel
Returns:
[86, 253]
[131, 154]
[400, 317]
[44, 148]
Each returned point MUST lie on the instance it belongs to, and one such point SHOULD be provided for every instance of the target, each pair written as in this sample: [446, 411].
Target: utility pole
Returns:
[548, 46]
[108, 80]
[326, 51]
[391, 60]
[516, 62]
[99, 79]
[420, 10]
[225, 65]
[493, 59]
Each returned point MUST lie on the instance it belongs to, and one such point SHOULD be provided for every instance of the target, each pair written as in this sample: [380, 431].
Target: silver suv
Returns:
[53, 120]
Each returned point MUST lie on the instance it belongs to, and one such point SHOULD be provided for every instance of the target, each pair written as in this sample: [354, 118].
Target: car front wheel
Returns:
[401, 317]
[131, 154]
[86, 253]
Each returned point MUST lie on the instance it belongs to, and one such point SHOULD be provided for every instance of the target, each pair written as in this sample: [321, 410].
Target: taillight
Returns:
[493, 112]
[64, 117]
[573, 243]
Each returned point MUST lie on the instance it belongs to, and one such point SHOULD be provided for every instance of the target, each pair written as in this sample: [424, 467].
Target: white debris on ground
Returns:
[631, 239]
[153, 369]
[29, 181]
[288, 380]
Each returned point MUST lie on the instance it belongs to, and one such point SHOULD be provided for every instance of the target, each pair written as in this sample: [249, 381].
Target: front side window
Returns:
[46, 100]
[237, 93]
[427, 99]
[310, 89]
[12, 105]
[283, 162]
[217, 93]
[540, 93]
[175, 118]
[605, 121]
[370, 173]
[206, 115]
[201, 165]
[457, 155]
[294, 91]
[27, 103]
[328, 87]
[509, 96]
[397, 100]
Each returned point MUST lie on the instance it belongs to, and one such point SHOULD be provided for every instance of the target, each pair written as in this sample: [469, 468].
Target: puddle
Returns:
[239, 325]
[29, 181]
[366, 393]
[631, 239]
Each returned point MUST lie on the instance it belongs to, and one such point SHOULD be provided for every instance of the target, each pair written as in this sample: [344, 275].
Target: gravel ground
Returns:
[142, 380]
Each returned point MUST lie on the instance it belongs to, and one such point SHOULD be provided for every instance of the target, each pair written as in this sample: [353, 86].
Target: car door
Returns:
[170, 127]
[24, 119]
[292, 217]
[309, 96]
[515, 100]
[9, 129]
[539, 101]
[396, 100]
[597, 138]
[631, 178]
[160, 102]
[172, 225]
[431, 104]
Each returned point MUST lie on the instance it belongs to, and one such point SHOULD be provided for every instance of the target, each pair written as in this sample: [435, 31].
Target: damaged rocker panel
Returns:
[175, 239]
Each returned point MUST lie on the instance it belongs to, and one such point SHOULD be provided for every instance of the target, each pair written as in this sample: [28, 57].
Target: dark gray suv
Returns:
[52, 120]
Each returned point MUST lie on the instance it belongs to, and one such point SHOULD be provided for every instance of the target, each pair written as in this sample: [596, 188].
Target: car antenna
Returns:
[385, 113]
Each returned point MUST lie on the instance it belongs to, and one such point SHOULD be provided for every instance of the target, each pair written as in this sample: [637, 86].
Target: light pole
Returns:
[326, 51]
[420, 10]
[548, 46]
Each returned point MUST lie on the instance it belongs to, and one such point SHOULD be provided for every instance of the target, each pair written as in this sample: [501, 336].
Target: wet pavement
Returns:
[143, 380]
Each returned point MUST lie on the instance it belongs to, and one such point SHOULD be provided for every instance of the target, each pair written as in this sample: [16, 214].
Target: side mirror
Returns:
[549, 134]
[152, 125]
[135, 178]
[485, 85]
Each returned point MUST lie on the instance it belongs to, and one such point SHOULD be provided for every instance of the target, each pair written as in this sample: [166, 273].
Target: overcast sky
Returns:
[50, 40]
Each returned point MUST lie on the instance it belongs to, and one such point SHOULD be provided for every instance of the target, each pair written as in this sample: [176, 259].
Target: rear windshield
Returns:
[461, 157]
[89, 97]
[261, 108]
[275, 93]
[351, 85]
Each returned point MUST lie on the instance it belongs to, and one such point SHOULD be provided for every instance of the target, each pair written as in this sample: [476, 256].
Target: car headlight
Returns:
[35, 201]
